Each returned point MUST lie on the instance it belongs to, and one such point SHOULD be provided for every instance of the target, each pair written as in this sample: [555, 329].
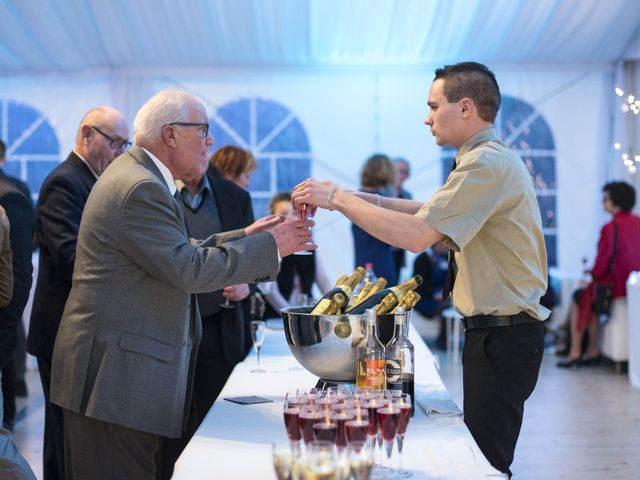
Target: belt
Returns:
[486, 321]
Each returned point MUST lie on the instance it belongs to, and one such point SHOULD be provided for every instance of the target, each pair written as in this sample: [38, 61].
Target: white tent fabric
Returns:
[354, 73]
[81, 34]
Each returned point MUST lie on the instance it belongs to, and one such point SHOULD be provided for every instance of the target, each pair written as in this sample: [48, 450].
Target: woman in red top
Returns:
[618, 199]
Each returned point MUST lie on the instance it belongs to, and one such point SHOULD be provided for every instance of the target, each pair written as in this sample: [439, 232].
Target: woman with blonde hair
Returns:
[234, 164]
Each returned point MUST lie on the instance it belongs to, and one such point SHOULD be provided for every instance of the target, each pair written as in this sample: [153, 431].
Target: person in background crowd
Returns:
[612, 266]
[298, 273]
[377, 177]
[488, 214]
[214, 205]
[102, 136]
[12, 464]
[20, 213]
[234, 164]
[124, 357]
[16, 366]
[403, 170]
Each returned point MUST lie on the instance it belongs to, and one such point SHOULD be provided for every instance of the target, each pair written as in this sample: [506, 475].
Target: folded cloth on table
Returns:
[435, 400]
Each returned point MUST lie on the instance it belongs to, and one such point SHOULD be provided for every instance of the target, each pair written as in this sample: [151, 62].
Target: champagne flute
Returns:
[292, 404]
[304, 211]
[257, 335]
[404, 402]
[283, 459]
[388, 417]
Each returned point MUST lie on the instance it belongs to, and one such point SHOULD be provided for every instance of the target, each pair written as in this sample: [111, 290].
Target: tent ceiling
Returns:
[85, 34]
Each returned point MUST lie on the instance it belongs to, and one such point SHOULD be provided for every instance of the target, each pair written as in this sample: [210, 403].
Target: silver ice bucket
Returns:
[326, 344]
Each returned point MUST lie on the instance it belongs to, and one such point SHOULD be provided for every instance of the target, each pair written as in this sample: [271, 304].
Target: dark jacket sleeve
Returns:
[59, 213]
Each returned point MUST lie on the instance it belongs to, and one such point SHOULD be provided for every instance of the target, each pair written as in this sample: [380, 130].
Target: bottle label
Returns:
[375, 373]
[393, 371]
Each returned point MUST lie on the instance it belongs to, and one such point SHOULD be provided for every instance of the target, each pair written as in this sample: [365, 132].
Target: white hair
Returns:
[164, 107]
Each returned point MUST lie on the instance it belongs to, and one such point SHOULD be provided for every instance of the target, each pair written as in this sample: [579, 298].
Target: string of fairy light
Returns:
[630, 105]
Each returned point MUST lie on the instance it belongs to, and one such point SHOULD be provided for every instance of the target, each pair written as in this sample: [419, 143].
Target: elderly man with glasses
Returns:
[102, 136]
[124, 357]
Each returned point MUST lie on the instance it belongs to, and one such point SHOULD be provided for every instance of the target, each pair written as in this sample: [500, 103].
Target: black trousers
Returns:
[101, 450]
[53, 448]
[212, 372]
[500, 371]
[9, 393]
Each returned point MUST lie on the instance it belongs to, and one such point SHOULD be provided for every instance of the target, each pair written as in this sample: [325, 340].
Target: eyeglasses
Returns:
[204, 127]
[114, 142]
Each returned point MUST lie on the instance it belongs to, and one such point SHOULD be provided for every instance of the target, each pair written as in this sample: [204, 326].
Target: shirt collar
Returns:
[84, 160]
[478, 138]
[166, 173]
[204, 185]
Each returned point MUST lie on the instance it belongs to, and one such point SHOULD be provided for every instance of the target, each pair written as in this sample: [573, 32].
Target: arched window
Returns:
[33, 149]
[276, 138]
[525, 130]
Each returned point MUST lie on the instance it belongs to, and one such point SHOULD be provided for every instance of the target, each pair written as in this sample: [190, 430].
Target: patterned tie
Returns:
[452, 266]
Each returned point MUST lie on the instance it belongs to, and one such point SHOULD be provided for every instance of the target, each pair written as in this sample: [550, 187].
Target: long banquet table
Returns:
[234, 441]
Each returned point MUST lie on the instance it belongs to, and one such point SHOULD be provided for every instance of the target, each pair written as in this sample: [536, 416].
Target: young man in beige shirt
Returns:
[487, 214]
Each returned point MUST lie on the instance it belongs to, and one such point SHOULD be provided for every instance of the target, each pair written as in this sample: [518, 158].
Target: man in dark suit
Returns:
[213, 205]
[125, 352]
[15, 368]
[102, 136]
[20, 214]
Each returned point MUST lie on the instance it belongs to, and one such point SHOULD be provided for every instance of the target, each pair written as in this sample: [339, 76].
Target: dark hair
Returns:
[279, 197]
[3, 149]
[232, 161]
[475, 81]
[622, 195]
[378, 171]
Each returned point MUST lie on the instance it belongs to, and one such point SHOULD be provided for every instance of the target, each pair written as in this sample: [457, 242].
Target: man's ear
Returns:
[86, 131]
[466, 105]
[169, 135]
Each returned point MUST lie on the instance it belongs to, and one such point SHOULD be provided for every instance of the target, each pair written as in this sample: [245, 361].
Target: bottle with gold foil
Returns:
[394, 295]
[370, 358]
[408, 301]
[337, 298]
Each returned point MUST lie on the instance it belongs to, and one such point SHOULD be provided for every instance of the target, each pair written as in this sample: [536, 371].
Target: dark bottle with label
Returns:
[399, 359]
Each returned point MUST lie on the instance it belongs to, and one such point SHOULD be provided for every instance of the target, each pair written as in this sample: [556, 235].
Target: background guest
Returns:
[101, 137]
[234, 164]
[378, 177]
[20, 213]
[403, 170]
[16, 366]
[612, 266]
[213, 205]
[12, 464]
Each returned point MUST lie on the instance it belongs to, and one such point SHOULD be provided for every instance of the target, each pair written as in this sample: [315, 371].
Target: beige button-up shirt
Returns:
[488, 212]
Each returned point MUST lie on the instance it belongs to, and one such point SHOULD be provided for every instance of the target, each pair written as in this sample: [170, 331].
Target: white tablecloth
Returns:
[234, 441]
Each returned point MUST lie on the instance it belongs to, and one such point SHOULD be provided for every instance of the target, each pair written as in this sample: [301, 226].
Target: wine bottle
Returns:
[370, 359]
[338, 296]
[398, 291]
[399, 359]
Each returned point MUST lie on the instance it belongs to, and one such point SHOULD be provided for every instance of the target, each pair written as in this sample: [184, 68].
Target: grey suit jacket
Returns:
[129, 334]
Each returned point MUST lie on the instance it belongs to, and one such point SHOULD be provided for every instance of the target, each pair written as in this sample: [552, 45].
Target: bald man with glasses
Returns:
[102, 136]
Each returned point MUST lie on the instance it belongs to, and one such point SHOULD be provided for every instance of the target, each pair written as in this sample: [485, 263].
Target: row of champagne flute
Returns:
[343, 417]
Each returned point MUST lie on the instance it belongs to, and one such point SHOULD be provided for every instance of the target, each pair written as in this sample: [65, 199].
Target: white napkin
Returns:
[435, 400]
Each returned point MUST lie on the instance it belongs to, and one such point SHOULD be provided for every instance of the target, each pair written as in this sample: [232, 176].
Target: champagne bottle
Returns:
[399, 359]
[408, 301]
[364, 293]
[337, 298]
[397, 292]
[379, 285]
[370, 359]
[341, 279]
